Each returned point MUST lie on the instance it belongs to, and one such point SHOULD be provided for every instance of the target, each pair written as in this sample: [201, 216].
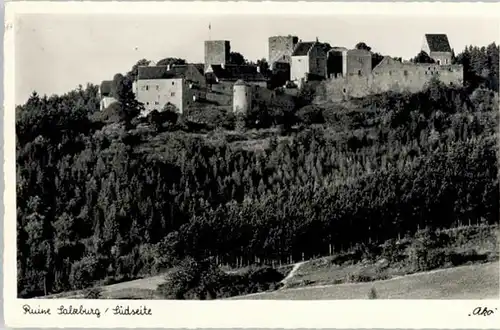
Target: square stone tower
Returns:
[281, 49]
[217, 52]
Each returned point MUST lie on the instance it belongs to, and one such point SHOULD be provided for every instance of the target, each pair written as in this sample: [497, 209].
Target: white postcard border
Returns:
[224, 314]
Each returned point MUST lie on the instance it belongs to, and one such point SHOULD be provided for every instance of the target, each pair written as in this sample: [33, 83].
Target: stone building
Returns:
[438, 48]
[308, 62]
[281, 49]
[217, 52]
[343, 62]
[179, 85]
[105, 94]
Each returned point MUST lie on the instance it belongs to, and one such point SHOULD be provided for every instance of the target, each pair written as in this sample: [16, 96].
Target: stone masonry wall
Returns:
[395, 76]
[317, 61]
[217, 52]
[358, 61]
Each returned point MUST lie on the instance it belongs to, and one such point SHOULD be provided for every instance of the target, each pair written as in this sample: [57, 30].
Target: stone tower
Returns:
[281, 49]
[217, 52]
[242, 97]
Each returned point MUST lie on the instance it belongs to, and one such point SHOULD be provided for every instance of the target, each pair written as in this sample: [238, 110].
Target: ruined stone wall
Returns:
[222, 93]
[272, 97]
[358, 62]
[334, 62]
[392, 76]
[262, 94]
[443, 58]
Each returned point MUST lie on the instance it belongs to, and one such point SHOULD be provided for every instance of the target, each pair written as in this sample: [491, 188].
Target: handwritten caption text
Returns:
[82, 310]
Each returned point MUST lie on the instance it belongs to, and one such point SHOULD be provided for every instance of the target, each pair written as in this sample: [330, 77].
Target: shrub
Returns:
[470, 255]
[191, 280]
[208, 117]
[306, 94]
[333, 114]
[366, 251]
[203, 280]
[363, 276]
[310, 114]
[344, 258]
[431, 239]
[426, 250]
[83, 272]
[164, 119]
[372, 294]
[264, 275]
[393, 251]
[357, 278]
[93, 293]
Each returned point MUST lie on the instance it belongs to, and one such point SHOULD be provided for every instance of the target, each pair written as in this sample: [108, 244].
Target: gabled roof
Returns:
[302, 48]
[164, 72]
[155, 72]
[105, 88]
[235, 72]
[438, 42]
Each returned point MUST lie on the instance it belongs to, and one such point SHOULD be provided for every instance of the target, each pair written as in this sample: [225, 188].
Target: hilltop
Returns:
[105, 197]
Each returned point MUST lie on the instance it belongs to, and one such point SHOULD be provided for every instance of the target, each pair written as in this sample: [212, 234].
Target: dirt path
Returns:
[292, 272]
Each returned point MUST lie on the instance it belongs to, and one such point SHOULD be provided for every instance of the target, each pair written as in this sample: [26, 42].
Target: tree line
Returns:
[100, 201]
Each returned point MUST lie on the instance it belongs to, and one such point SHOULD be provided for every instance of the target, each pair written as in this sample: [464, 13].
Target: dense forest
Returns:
[107, 196]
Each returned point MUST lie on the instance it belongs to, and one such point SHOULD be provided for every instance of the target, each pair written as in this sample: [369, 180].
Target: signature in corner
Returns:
[482, 311]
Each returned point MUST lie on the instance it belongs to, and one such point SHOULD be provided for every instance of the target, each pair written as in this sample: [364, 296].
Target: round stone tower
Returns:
[242, 97]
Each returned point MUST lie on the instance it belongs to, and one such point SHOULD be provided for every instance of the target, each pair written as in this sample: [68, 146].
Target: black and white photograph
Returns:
[255, 157]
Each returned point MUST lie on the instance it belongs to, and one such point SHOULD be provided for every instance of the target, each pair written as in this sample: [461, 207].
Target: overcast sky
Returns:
[57, 52]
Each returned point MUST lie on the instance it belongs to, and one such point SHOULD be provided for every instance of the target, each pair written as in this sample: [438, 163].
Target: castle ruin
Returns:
[345, 73]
